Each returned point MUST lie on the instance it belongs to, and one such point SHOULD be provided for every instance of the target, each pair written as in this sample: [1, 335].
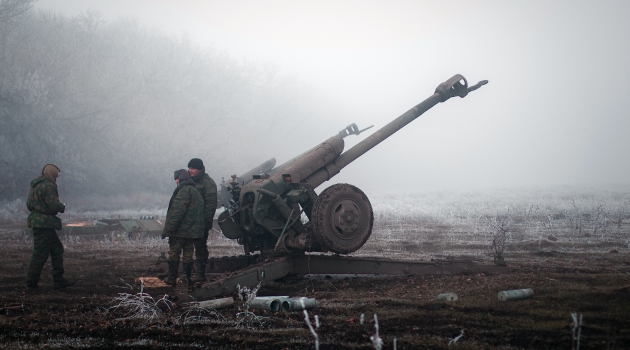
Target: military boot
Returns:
[161, 260]
[173, 266]
[31, 287]
[162, 275]
[187, 271]
[200, 268]
[61, 282]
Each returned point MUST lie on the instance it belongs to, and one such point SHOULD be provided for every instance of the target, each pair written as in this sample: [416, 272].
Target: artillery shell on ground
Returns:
[517, 294]
[296, 304]
[267, 303]
[216, 303]
[447, 297]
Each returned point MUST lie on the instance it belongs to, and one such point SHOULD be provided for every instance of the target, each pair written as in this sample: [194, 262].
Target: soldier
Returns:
[43, 203]
[163, 275]
[208, 189]
[183, 226]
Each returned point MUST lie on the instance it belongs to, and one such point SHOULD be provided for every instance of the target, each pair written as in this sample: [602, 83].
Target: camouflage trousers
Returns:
[45, 243]
[201, 247]
[177, 245]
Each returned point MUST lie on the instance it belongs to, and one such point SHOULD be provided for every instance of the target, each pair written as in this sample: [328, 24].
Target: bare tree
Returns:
[103, 99]
[501, 228]
[10, 9]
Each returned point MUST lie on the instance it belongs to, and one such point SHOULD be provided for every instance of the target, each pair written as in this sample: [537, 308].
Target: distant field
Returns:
[422, 226]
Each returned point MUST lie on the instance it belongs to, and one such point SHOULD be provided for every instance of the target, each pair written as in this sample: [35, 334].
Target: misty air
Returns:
[306, 175]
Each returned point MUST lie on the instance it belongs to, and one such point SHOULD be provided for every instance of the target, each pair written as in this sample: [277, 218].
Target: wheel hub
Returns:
[345, 219]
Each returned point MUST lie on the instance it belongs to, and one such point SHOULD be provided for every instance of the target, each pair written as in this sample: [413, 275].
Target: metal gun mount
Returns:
[264, 211]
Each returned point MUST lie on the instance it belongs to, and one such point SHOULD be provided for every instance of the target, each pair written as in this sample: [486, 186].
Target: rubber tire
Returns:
[327, 229]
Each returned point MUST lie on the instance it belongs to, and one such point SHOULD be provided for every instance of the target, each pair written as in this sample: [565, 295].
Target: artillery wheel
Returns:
[342, 218]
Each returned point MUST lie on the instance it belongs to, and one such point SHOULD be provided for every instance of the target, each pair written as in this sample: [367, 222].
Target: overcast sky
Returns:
[554, 113]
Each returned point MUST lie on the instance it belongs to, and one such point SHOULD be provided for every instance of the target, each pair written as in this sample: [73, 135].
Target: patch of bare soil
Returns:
[592, 282]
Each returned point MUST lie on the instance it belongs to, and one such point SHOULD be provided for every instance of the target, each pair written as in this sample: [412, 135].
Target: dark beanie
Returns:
[196, 163]
[183, 175]
[176, 175]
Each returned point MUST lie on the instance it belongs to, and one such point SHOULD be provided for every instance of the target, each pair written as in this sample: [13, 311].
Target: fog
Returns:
[553, 114]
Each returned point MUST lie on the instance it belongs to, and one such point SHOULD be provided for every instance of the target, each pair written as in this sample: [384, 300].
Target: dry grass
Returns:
[570, 269]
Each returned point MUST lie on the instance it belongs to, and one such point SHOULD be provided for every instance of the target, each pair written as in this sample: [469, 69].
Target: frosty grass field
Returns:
[570, 245]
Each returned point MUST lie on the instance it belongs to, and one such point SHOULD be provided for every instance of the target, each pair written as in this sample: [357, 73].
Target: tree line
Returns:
[117, 105]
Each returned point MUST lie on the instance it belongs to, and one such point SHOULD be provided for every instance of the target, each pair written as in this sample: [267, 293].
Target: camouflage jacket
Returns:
[184, 217]
[208, 189]
[43, 203]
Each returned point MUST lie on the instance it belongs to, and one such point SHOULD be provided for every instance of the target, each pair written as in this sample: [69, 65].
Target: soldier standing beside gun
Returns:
[208, 189]
[43, 203]
[183, 226]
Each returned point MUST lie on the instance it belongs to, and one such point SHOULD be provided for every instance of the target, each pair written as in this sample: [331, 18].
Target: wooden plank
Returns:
[151, 282]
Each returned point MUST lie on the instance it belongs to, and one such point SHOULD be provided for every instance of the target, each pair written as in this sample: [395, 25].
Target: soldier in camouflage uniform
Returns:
[208, 189]
[163, 275]
[43, 203]
[183, 226]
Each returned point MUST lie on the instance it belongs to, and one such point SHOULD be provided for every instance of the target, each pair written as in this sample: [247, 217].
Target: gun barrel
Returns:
[351, 129]
[313, 160]
[455, 86]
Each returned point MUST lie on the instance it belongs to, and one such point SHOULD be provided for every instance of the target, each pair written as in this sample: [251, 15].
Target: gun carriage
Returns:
[265, 207]
[265, 212]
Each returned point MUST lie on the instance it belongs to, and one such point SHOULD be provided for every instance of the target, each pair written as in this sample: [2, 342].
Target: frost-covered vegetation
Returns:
[419, 226]
[511, 218]
[140, 305]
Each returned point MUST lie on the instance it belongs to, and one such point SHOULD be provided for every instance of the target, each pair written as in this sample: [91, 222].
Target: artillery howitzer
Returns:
[264, 214]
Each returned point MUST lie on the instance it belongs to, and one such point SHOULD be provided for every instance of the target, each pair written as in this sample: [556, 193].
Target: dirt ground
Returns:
[592, 281]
